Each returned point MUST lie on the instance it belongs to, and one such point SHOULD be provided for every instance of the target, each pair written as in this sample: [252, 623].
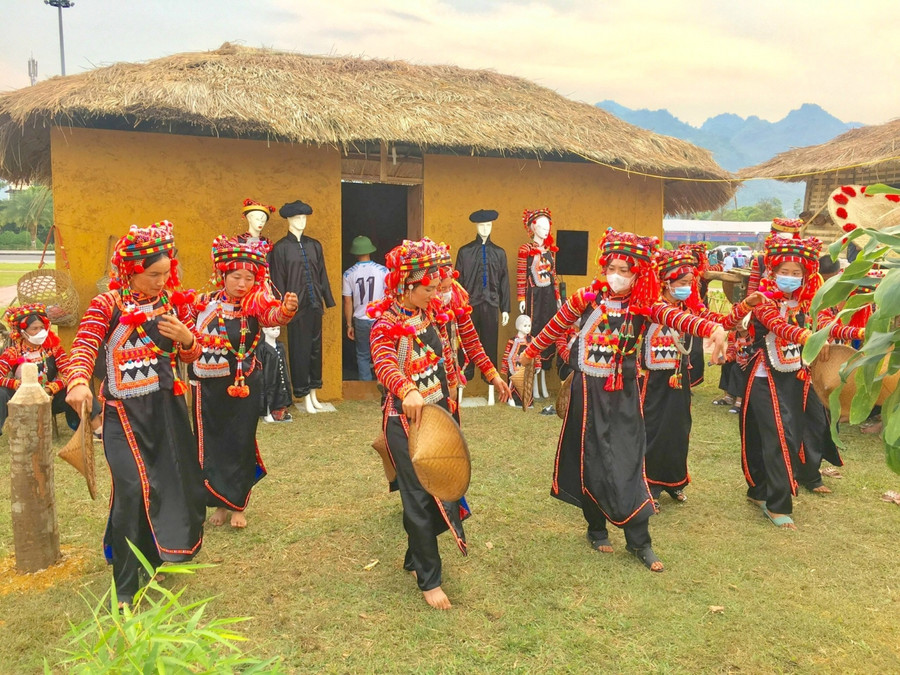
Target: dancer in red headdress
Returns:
[227, 377]
[409, 348]
[158, 497]
[772, 420]
[666, 386]
[600, 458]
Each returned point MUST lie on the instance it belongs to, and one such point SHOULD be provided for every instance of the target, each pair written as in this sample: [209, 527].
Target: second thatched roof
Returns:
[340, 101]
[869, 146]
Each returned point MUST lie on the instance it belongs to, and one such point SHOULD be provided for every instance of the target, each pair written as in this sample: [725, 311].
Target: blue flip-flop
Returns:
[780, 521]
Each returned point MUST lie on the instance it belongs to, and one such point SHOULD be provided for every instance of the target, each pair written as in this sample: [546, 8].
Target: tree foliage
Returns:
[764, 210]
[29, 210]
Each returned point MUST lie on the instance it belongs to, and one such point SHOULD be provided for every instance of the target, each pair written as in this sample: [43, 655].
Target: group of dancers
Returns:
[626, 340]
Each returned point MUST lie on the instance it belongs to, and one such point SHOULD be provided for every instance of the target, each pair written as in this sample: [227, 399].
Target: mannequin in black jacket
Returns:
[484, 273]
[297, 264]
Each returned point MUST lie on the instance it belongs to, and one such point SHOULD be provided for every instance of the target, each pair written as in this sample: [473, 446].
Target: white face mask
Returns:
[37, 339]
[618, 283]
[447, 297]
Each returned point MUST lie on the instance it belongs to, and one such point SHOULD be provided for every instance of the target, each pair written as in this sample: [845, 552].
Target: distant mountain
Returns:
[737, 142]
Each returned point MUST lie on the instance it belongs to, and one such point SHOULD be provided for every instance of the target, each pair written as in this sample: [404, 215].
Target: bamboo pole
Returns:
[35, 530]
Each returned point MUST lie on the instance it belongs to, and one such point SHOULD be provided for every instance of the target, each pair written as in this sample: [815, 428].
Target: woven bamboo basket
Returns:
[55, 289]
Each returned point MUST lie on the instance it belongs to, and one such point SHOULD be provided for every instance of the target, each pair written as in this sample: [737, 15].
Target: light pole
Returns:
[60, 6]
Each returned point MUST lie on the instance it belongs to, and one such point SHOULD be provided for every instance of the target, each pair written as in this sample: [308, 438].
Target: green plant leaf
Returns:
[881, 189]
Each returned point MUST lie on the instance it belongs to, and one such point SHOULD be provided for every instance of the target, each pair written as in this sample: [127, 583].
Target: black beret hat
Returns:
[296, 208]
[484, 216]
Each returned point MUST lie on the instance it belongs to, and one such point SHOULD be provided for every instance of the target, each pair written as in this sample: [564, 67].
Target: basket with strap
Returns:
[52, 287]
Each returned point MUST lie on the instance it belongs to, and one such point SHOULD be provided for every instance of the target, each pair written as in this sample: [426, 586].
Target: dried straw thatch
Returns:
[870, 145]
[339, 101]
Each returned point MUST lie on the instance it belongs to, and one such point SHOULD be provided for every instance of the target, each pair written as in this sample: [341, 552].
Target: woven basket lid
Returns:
[380, 446]
[849, 205]
[523, 382]
[440, 456]
[826, 377]
[562, 399]
[79, 451]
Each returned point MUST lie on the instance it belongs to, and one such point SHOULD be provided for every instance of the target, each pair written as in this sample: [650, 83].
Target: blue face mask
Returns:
[788, 284]
[681, 292]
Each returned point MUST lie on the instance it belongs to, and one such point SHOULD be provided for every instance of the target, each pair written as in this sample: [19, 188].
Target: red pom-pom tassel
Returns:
[179, 388]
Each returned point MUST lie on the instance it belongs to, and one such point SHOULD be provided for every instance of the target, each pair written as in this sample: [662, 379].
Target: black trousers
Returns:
[637, 535]
[305, 351]
[486, 320]
[771, 450]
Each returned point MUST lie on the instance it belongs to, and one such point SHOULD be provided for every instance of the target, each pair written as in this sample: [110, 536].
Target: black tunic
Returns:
[298, 266]
[226, 425]
[484, 273]
[275, 393]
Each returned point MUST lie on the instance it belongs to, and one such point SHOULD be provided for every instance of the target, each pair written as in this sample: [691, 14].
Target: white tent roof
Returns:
[709, 226]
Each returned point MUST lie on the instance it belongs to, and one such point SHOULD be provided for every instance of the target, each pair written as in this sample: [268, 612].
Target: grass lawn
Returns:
[531, 597]
[11, 271]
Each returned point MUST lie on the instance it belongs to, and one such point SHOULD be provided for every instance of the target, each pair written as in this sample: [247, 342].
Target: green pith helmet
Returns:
[361, 246]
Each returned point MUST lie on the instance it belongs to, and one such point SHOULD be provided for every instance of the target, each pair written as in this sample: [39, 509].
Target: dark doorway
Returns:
[379, 212]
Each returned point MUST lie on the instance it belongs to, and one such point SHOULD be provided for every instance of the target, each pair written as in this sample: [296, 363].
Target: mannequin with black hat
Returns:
[297, 264]
[361, 284]
[484, 273]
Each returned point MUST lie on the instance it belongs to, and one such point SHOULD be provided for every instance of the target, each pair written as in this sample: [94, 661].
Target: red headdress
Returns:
[139, 244]
[528, 218]
[639, 253]
[230, 254]
[803, 251]
[17, 317]
[672, 265]
[253, 205]
[700, 253]
[410, 263]
[789, 225]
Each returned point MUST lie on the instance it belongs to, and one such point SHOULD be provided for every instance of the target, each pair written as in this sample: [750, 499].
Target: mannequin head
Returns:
[484, 229]
[256, 221]
[540, 228]
[484, 221]
[523, 325]
[296, 225]
[295, 213]
[271, 333]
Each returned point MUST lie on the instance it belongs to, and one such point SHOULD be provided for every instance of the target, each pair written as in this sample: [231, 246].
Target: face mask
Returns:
[37, 339]
[680, 292]
[618, 283]
[446, 297]
[787, 284]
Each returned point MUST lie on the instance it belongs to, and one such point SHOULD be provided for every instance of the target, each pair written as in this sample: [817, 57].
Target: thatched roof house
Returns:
[859, 156]
[242, 92]
[384, 149]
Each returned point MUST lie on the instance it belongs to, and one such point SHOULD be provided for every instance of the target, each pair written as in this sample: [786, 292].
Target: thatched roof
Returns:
[866, 145]
[339, 101]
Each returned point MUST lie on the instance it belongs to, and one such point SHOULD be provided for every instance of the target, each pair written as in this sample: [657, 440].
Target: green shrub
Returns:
[157, 634]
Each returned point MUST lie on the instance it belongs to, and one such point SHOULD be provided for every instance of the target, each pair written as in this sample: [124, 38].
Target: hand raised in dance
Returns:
[754, 299]
[413, 403]
[289, 302]
[503, 388]
[172, 328]
[718, 339]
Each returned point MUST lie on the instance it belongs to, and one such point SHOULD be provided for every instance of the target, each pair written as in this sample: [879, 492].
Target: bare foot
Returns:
[437, 598]
[822, 490]
[238, 519]
[756, 502]
[218, 517]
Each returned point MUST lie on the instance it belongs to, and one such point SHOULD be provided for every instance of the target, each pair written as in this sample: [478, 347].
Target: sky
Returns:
[697, 58]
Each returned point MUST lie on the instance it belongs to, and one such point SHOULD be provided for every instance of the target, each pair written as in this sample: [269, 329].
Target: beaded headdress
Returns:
[672, 265]
[803, 251]
[410, 263]
[639, 253]
[700, 253]
[229, 254]
[789, 225]
[139, 244]
[253, 205]
[17, 317]
[528, 219]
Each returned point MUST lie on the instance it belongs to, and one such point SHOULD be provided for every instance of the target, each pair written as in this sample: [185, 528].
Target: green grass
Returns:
[531, 597]
[11, 271]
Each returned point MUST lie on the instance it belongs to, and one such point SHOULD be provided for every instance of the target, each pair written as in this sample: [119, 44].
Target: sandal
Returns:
[597, 544]
[735, 409]
[646, 556]
[831, 472]
[725, 400]
[781, 522]
[678, 496]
